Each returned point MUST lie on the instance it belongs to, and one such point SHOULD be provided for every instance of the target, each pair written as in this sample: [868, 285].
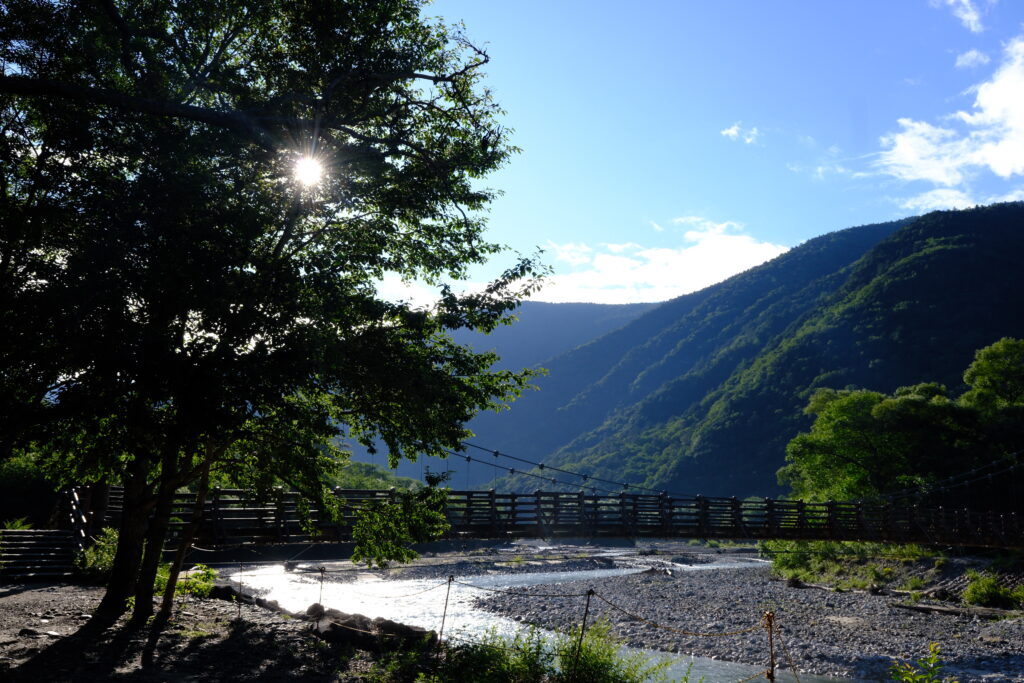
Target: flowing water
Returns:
[421, 602]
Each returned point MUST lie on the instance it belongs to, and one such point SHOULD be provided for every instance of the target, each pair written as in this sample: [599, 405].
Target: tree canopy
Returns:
[177, 301]
[864, 444]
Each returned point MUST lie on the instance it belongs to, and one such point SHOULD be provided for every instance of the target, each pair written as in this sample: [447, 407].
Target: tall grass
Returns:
[527, 658]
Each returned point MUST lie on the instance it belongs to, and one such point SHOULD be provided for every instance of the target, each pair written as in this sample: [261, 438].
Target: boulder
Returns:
[361, 632]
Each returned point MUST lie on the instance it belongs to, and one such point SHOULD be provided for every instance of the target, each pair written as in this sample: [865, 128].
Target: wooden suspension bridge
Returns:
[235, 517]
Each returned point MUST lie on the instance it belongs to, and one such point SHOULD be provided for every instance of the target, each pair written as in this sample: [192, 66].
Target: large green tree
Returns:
[866, 444]
[176, 300]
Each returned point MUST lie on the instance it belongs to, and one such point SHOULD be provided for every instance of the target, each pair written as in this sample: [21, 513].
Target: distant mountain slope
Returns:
[672, 356]
[702, 393]
[544, 330]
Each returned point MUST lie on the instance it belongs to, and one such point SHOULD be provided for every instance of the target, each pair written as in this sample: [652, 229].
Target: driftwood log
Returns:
[981, 612]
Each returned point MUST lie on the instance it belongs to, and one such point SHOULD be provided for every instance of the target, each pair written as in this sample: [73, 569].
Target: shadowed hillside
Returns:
[702, 393]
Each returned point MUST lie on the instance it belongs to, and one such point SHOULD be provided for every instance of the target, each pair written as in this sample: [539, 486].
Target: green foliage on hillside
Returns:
[602, 401]
[703, 394]
[360, 475]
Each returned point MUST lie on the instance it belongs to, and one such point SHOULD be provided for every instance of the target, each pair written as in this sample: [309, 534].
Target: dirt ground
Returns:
[207, 640]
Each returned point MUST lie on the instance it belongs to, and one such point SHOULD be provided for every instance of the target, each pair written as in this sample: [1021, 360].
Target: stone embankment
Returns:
[853, 634]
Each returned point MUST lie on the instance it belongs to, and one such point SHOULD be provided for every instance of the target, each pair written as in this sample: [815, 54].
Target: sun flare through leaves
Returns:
[308, 171]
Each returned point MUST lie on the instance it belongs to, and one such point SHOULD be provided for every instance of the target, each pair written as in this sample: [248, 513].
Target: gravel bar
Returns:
[846, 634]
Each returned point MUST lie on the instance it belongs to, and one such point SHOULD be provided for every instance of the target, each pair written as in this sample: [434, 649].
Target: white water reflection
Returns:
[420, 602]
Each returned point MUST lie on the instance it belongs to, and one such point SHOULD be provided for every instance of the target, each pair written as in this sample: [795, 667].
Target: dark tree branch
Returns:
[235, 121]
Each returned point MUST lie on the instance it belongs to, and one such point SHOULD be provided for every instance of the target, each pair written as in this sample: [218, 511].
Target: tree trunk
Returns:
[132, 534]
[188, 534]
[155, 537]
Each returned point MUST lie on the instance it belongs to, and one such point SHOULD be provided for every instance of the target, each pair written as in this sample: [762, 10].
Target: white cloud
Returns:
[1011, 196]
[989, 137]
[629, 273]
[971, 59]
[965, 11]
[940, 198]
[922, 151]
[573, 253]
[737, 132]
[619, 248]
[998, 116]
[657, 227]
[417, 294]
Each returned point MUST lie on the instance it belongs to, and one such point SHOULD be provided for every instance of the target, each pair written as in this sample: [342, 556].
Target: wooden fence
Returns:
[234, 516]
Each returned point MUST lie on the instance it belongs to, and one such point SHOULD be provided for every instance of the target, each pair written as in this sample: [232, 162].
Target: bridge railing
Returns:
[234, 516]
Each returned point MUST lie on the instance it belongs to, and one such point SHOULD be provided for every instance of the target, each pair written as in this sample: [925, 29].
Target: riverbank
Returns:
[851, 634]
[207, 641]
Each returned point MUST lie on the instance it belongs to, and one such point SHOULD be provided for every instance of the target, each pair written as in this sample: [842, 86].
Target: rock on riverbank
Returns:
[830, 633]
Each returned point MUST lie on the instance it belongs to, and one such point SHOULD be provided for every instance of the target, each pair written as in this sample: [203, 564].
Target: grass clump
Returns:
[526, 658]
[494, 659]
[986, 590]
[914, 583]
[844, 564]
[925, 670]
[598, 659]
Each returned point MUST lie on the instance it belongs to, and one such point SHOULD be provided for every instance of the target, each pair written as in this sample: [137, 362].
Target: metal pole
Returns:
[444, 614]
[583, 630]
[239, 600]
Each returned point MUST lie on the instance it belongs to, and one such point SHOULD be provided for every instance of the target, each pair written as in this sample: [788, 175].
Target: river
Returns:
[421, 602]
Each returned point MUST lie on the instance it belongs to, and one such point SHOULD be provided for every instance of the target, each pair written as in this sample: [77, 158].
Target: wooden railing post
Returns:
[215, 517]
[492, 512]
[665, 514]
[771, 524]
[280, 524]
[623, 521]
[702, 516]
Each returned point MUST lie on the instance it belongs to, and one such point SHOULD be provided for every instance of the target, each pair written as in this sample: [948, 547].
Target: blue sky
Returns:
[668, 145]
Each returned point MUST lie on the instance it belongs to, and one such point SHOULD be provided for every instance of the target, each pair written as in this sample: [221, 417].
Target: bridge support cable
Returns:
[625, 486]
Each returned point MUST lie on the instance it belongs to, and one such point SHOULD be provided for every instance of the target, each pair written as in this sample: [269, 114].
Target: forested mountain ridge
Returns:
[714, 384]
[674, 354]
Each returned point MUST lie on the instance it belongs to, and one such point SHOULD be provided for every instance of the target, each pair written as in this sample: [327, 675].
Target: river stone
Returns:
[359, 631]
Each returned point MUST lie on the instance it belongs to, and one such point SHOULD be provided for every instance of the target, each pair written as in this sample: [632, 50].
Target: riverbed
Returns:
[463, 606]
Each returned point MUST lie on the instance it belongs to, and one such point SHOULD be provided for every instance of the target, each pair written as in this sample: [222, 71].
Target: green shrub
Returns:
[96, 561]
[599, 659]
[163, 575]
[494, 659]
[199, 582]
[925, 670]
[25, 490]
[526, 658]
[19, 523]
[987, 591]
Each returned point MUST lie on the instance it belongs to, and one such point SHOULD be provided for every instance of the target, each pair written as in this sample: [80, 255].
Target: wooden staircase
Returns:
[28, 555]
